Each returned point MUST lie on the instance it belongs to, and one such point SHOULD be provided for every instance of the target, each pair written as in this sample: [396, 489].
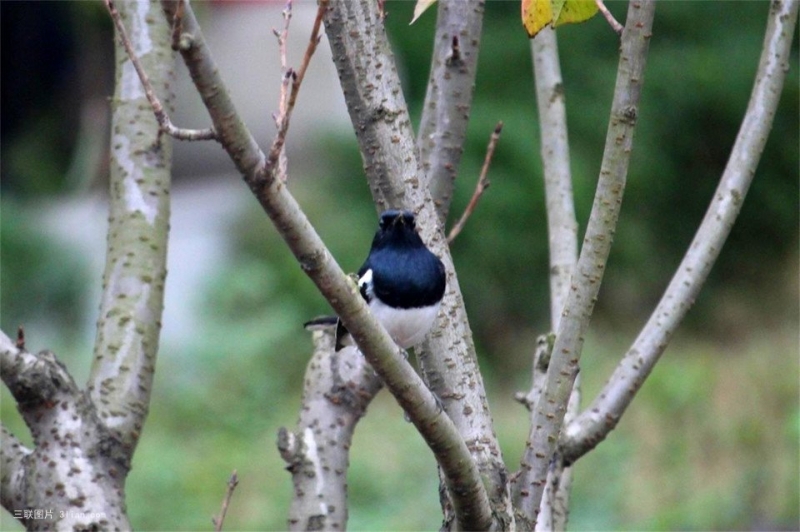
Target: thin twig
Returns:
[283, 35]
[286, 78]
[232, 483]
[164, 123]
[296, 77]
[616, 26]
[480, 187]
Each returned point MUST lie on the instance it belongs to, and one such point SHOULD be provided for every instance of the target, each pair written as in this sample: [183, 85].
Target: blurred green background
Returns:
[710, 443]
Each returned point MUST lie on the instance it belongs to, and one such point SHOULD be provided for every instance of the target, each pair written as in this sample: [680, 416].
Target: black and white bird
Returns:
[402, 281]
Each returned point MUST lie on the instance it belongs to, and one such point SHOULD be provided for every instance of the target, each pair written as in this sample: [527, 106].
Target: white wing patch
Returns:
[366, 279]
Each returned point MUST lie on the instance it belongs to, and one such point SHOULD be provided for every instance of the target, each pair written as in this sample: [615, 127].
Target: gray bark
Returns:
[338, 388]
[84, 439]
[448, 100]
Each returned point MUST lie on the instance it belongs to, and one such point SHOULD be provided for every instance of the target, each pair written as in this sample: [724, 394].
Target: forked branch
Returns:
[594, 424]
[562, 230]
[162, 117]
[562, 371]
[338, 385]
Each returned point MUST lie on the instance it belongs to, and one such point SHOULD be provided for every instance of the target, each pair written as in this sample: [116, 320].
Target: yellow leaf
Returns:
[536, 14]
[576, 11]
[420, 8]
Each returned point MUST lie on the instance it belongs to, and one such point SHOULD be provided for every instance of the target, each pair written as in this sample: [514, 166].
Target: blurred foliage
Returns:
[712, 440]
[38, 285]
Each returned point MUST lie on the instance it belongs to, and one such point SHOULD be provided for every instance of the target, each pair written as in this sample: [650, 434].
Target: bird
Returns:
[402, 281]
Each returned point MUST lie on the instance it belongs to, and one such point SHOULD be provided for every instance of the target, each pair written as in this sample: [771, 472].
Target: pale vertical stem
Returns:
[551, 407]
[133, 281]
[562, 228]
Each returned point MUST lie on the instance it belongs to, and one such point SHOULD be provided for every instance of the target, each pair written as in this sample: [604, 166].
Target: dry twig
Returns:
[219, 520]
[296, 79]
[164, 123]
[616, 26]
[480, 187]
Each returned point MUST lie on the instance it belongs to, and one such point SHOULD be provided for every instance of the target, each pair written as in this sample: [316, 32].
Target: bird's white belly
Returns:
[407, 327]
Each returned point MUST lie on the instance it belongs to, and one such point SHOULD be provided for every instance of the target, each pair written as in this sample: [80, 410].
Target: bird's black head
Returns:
[398, 228]
[391, 218]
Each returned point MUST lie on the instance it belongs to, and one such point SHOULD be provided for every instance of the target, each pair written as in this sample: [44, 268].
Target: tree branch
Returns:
[132, 303]
[562, 226]
[219, 520]
[77, 465]
[562, 229]
[338, 388]
[482, 184]
[164, 123]
[400, 378]
[616, 26]
[296, 77]
[594, 424]
[445, 112]
[551, 407]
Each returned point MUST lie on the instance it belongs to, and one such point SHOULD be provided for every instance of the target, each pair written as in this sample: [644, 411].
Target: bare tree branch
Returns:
[552, 405]
[287, 104]
[129, 324]
[616, 26]
[445, 112]
[286, 81]
[482, 184]
[219, 520]
[77, 465]
[594, 424]
[437, 429]
[339, 385]
[562, 229]
[164, 123]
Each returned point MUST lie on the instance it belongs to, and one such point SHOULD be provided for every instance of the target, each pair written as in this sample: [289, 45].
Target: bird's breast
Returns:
[406, 326]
